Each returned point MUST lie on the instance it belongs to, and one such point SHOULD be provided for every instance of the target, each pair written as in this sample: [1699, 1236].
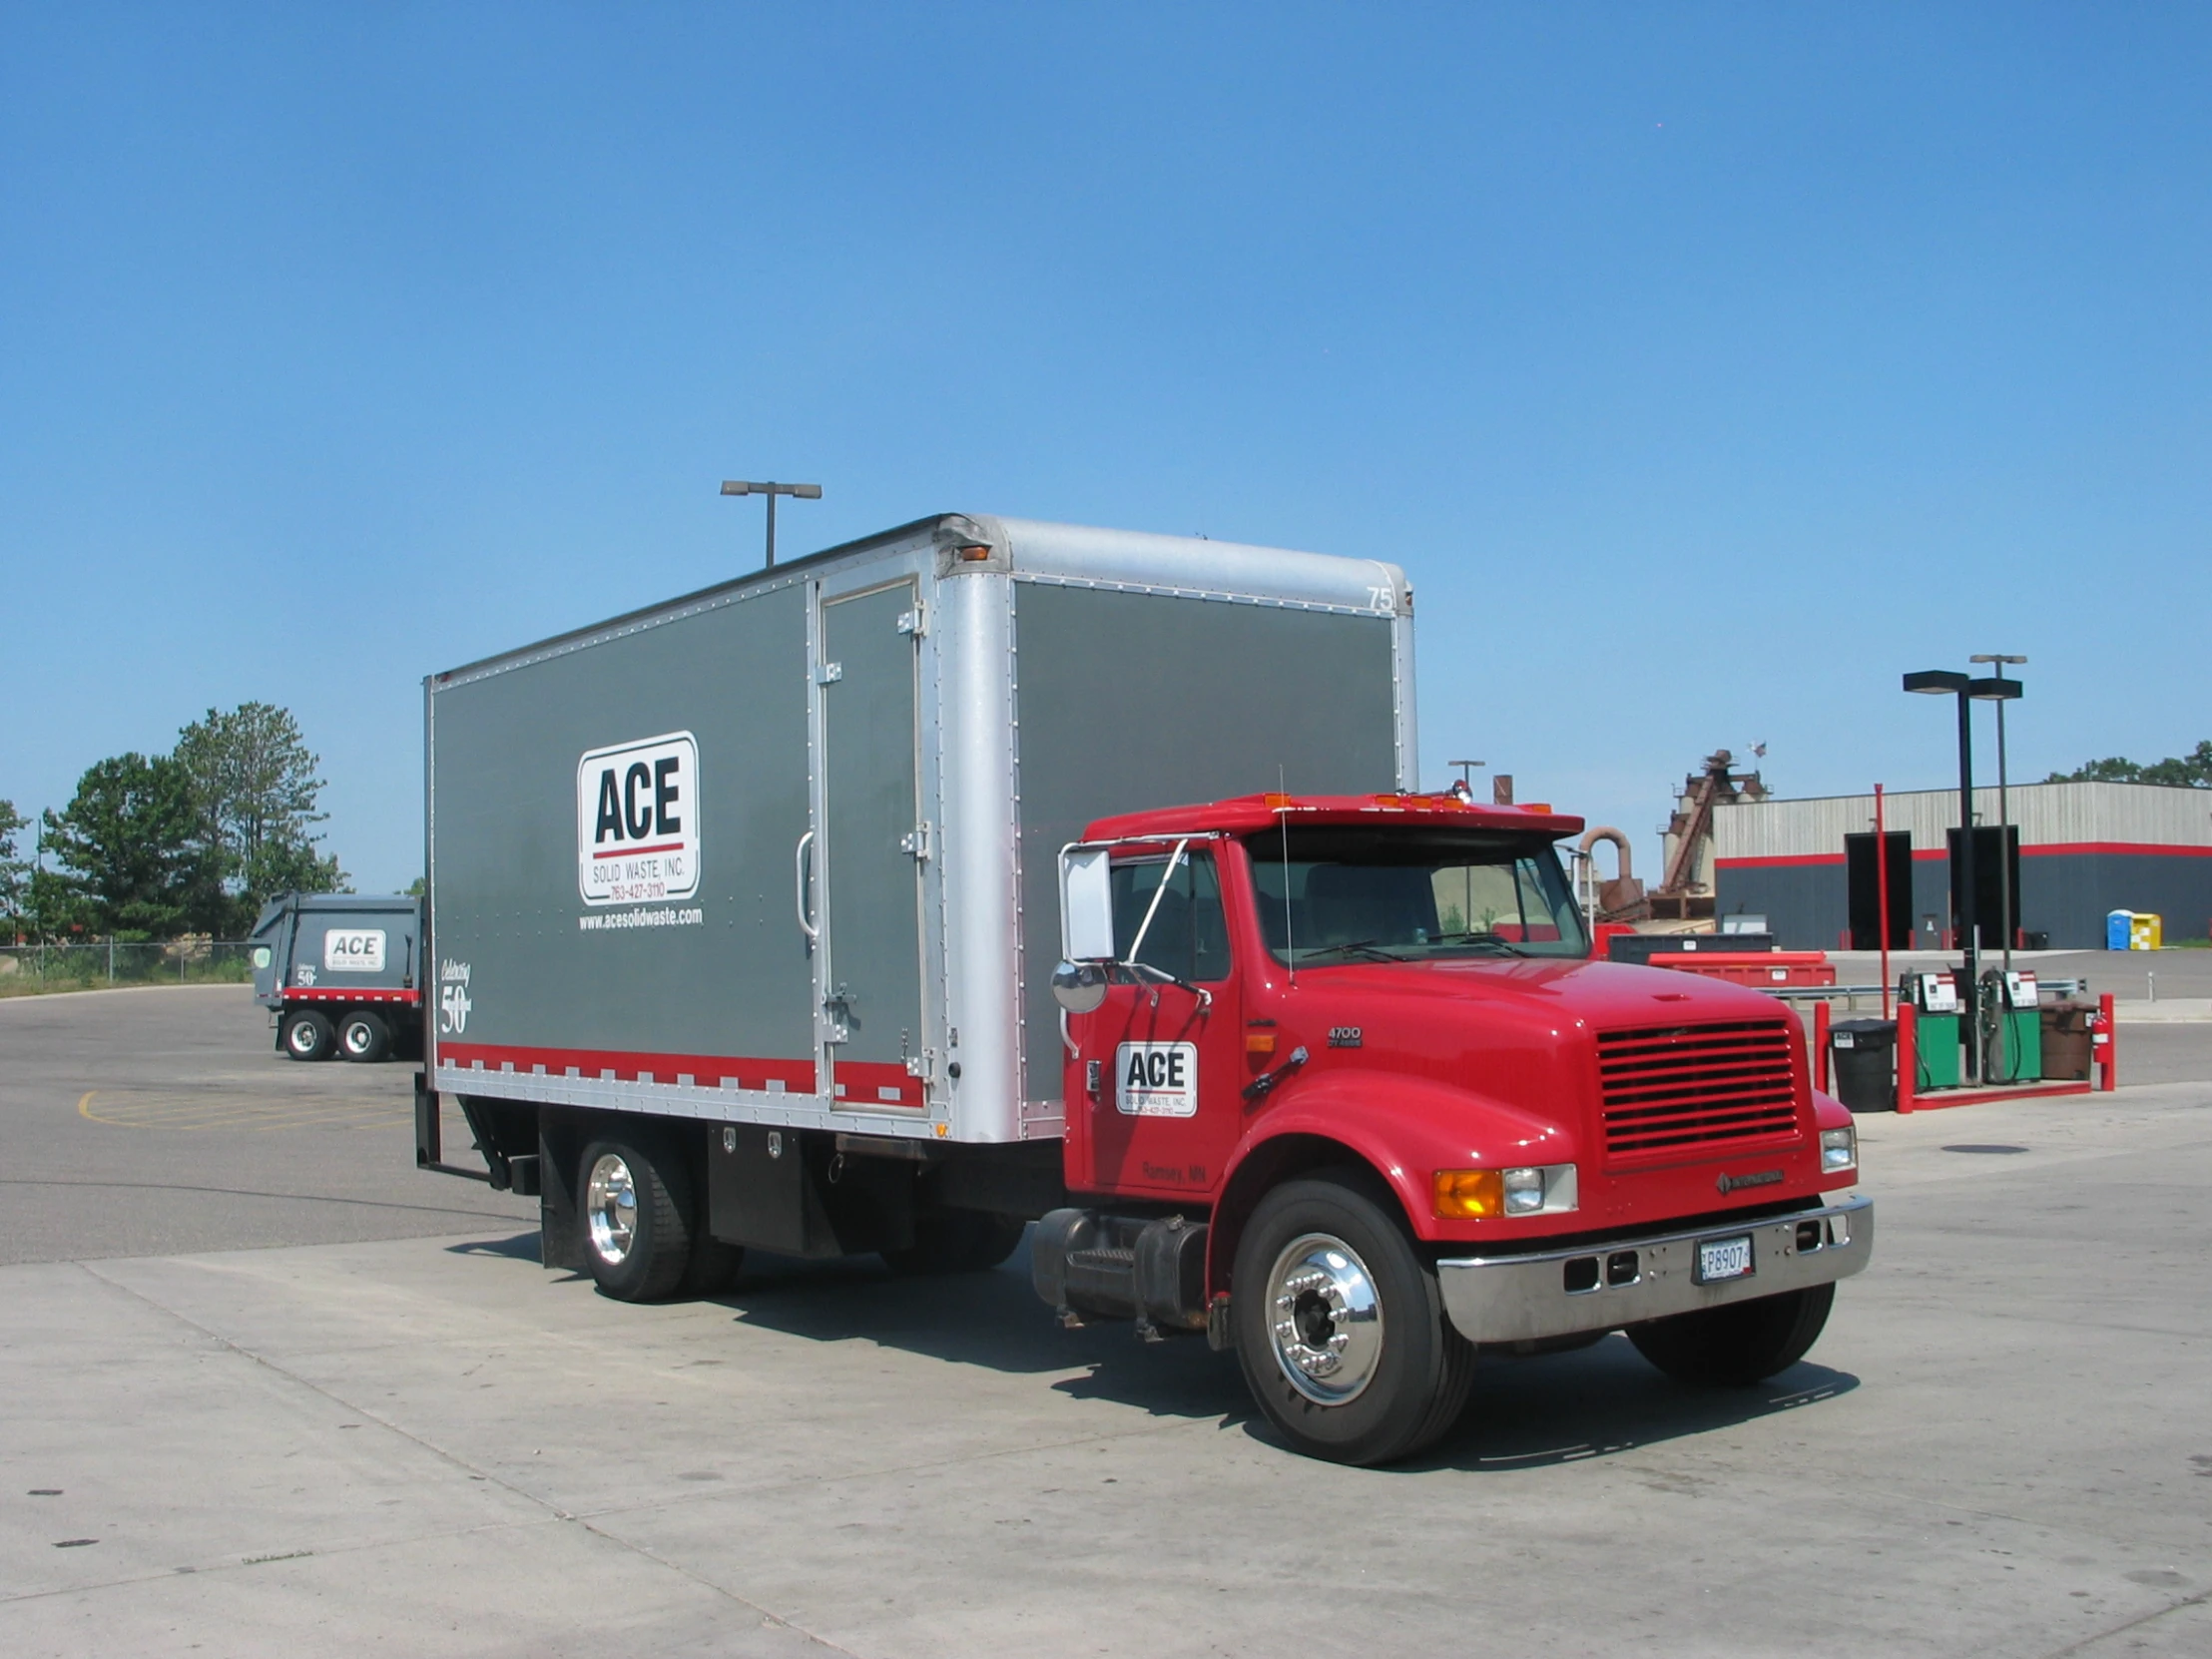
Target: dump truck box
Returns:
[784, 851]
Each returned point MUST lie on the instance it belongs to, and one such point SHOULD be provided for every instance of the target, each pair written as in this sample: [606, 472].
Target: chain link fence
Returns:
[27, 970]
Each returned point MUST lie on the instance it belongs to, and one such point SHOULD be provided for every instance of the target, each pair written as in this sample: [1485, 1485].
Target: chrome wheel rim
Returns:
[356, 1038]
[1325, 1319]
[303, 1040]
[611, 1201]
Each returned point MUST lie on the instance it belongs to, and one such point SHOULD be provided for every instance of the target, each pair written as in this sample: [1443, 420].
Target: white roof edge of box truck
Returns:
[1039, 550]
[1197, 565]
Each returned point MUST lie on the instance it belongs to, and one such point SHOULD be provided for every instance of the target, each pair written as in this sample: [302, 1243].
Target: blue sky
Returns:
[1705, 367]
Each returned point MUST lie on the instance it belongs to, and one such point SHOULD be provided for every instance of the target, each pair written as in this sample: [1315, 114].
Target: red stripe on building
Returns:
[866, 1083]
[2045, 850]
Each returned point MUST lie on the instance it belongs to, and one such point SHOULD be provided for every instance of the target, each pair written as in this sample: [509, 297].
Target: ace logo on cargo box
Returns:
[637, 821]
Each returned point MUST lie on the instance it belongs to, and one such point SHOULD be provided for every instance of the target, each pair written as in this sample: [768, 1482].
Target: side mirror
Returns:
[1079, 987]
[1086, 904]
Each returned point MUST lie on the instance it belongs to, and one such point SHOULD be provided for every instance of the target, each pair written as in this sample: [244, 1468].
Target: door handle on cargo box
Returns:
[798, 862]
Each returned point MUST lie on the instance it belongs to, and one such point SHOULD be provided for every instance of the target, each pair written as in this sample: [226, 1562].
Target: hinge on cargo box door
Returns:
[915, 843]
[915, 621]
[829, 674]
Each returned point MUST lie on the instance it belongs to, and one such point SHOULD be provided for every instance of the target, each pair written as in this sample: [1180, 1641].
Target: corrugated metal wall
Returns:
[2134, 814]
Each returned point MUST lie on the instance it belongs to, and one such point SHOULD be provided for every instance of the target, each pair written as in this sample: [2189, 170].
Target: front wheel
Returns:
[1341, 1328]
[1739, 1344]
[307, 1035]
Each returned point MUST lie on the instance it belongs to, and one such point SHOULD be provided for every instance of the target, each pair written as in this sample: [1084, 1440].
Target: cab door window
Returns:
[1189, 936]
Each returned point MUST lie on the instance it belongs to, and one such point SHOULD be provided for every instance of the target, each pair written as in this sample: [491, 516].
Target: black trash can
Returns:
[1865, 1059]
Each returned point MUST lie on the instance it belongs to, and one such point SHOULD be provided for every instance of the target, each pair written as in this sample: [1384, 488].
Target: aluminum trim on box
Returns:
[1511, 1299]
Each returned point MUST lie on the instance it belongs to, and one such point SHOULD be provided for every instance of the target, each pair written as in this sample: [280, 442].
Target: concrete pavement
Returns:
[434, 1447]
[155, 1121]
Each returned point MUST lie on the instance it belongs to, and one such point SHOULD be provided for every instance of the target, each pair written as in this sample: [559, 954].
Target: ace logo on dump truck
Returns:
[637, 821]
[1156, 1080]
[354, 950]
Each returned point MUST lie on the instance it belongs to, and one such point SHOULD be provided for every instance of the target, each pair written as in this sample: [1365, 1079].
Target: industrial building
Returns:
[2080, 852]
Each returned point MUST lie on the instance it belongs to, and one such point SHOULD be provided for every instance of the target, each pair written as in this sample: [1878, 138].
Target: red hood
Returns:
[1520, 1034]
[1600, 995]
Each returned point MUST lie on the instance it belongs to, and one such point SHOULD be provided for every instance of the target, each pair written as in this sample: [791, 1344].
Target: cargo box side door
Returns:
[871, 845]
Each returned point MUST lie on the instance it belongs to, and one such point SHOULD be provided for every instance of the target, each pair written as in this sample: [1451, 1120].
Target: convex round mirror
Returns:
[1079, 986]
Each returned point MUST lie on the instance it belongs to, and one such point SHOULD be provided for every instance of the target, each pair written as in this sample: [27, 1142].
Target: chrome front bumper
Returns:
[1511, 1299]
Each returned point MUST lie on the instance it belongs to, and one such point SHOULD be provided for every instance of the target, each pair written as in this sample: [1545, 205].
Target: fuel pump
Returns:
[1934, 999]
[2011, 1027]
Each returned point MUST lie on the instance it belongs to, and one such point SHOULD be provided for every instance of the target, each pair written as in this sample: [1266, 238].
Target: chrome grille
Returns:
[1675, 1090]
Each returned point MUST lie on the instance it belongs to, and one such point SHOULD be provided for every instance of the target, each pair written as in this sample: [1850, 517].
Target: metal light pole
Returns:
[800, 492]
[2004, 814]
[1935, 682]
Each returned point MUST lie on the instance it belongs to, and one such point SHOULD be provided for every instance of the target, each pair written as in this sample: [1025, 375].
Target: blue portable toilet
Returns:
[2116, 928]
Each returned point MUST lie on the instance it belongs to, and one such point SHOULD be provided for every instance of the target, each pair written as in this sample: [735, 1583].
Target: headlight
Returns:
[1838, 1150]
[1532, 1190]
[1524, 1191]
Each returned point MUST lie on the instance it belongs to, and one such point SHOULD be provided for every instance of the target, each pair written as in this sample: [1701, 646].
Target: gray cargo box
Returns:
[784, 851]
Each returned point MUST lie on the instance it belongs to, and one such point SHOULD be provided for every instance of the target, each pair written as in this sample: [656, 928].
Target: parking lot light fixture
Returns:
[798, 492]
[1940, 682]
[2000, 691]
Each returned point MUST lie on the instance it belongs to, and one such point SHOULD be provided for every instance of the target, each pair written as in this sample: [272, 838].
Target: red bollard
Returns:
[1820, 1048]
[1908, 1054]
[2107, 1041]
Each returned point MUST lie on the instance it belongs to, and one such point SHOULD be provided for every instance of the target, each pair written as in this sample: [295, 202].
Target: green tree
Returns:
[15, 873]
[254, 780]
[2191, 771]
[133, 861]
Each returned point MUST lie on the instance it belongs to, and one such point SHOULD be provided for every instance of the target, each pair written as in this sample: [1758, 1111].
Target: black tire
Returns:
[306, 1035]
[1417, 1371]
[1740, 1343]
[363, 1036]
[958, 1241]
[713, 1267]
[637, 1232]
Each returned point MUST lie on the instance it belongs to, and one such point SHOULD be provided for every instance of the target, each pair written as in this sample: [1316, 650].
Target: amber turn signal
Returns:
[1259, 1043]
[1461, 1194]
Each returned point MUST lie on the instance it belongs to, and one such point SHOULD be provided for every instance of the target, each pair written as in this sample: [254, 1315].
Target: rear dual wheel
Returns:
[641, 1235]
[958, 1241]
[1340, 1324]
[363, 1036]
[306, 1035]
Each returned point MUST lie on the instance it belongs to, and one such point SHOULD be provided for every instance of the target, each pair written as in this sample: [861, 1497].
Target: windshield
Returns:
[1360, 894]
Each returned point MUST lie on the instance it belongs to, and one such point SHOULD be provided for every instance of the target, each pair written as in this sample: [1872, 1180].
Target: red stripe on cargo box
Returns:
[864, 1084]
[345, 993]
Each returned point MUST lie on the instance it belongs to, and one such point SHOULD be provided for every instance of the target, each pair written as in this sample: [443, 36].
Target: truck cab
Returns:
[1345, 1091]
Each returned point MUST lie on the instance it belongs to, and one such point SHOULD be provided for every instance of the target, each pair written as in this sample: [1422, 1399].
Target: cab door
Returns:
[1162, 1064]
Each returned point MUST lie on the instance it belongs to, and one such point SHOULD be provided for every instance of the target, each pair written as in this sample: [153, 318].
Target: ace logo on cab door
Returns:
[637, 821]
[1156, 1080]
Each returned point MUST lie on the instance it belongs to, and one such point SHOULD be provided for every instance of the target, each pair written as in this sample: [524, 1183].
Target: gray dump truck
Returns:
[340, 973]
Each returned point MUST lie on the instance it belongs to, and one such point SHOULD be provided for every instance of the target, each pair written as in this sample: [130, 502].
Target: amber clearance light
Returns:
[1463, 1194]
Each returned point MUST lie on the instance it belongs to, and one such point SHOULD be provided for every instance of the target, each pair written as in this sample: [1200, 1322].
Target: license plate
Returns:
[1719, 1259]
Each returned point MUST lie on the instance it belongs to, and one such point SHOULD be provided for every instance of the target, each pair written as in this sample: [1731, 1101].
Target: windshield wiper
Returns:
[1493, 940]
[1370, 949]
